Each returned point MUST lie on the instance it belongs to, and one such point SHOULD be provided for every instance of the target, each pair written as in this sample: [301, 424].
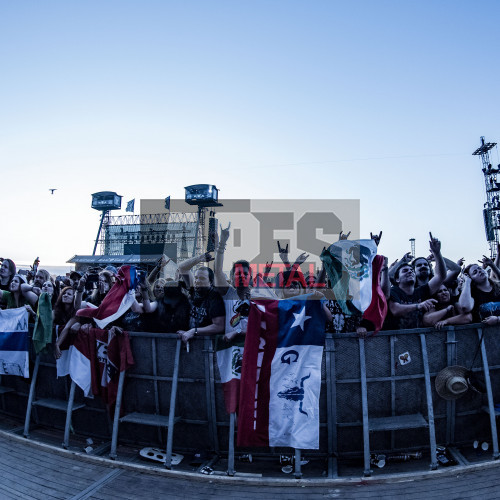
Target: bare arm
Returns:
[71, 323]
[453, 270]
[283, 252]
[29, 294]
[465, 301]
[219, 278]
[79, 291]
[432, 317]
[399, 310]
[147, 306]
[440, 275]
[217, 326]
[459, 319]
[385, 282]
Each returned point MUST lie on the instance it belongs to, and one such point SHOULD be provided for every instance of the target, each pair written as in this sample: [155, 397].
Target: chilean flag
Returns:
[118, 300]
[281, 374]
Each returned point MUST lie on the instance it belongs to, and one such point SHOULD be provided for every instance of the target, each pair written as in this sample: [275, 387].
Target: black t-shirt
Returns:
[412, 319]
[481, 298]
[341, 322]
[205, 307]
[172, 313]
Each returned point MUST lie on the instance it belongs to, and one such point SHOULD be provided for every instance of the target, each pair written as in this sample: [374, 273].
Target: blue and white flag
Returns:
[281, 374]
[130, 206]
[14, 343]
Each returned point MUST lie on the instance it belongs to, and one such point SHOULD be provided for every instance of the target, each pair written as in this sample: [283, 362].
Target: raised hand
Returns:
[283, 253]
[486, 261]
[224, 233]
[301, 258]
[376, 238]
[460, 262]
[407, 257]
[434, 244]
[207, 257]
[268, 267]
[343, 236]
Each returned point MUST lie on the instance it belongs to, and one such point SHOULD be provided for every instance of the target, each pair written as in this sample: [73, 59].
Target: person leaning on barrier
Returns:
[207, 313]
[168, 314]
[446, 311]
[407, 303]
[236, 294]
[480, 295]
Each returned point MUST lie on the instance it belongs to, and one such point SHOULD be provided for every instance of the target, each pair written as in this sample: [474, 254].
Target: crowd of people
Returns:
[201, 300]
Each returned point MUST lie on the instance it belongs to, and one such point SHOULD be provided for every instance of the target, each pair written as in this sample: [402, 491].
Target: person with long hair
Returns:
[13, 297]
[7, 273]
[64, 308]
[103, 286]
[446, 311]
[480, 295]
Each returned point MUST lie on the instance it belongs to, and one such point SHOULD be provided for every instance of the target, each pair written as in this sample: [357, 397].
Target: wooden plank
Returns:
[61, 474]
[49, 463]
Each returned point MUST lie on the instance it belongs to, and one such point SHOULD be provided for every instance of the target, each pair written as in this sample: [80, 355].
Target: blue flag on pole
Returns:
[130, 206]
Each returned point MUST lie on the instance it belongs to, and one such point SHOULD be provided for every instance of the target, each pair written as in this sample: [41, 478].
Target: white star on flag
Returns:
[300, 318]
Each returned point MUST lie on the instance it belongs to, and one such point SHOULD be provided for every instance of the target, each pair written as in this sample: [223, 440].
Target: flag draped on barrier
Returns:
[229, 359]
[281, 374]
[14, 343]
[42, 334]
[96, 358]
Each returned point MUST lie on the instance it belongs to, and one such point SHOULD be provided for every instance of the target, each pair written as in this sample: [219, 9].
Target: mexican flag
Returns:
[229, 360]
[348, 264]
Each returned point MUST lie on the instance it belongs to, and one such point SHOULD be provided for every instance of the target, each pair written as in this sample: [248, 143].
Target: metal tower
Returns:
[412, 243]
[491, 210]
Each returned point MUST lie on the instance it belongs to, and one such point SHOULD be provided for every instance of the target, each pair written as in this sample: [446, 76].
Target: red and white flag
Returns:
[95, 360]
[118, 300]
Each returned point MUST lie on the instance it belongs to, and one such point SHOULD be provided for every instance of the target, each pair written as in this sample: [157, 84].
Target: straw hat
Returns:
[451, 382]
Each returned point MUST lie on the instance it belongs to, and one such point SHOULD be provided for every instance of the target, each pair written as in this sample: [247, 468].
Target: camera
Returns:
[92, 278]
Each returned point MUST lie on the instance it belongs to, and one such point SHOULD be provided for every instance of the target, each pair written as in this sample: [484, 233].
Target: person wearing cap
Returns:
[407, 302]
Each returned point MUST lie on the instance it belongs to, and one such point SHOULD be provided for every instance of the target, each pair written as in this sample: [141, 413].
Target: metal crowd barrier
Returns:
[377, 395]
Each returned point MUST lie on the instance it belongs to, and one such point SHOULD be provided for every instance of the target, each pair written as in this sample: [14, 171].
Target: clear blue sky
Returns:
[383, 101]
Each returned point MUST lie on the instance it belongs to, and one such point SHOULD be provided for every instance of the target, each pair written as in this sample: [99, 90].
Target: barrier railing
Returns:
[377, 394]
